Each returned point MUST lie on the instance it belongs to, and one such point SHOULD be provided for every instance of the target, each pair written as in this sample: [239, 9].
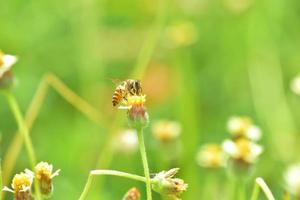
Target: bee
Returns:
[126, 88]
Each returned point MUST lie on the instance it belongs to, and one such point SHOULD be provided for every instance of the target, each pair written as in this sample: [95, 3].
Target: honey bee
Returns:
[126, 88]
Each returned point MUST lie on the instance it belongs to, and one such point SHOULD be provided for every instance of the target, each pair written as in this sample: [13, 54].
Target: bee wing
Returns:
[115, 81]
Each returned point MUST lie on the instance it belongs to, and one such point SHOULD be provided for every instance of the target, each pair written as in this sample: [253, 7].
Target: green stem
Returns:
[25, 133]
[255, 192]
[107, 172]
[1, 184]
[265, 188]
[261, 183]
[145, 163]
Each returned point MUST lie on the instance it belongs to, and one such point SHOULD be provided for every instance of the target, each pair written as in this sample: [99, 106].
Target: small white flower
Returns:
[254, 133]
[295, 85]
[6, 62]
[292, 179]
[127, 141]
[243, 127]
[21, 183]
[242, 149]
[211, 156]
[165, 130]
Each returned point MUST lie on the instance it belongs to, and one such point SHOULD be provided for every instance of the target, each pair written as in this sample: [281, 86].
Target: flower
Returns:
[44, 175]
[21, 185]
[127, 141]
[295, 85]
[243, 127]
[211, 156]
[165, 130]
[242, 150]
[292, 179]
[137, 114]
[132, 194]
[165, 184]
[6, 62]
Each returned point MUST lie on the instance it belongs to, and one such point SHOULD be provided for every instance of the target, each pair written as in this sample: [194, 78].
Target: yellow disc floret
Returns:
[136, 100]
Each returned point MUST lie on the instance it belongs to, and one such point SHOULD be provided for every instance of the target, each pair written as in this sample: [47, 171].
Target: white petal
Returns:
[256, 150]
[254, 133]
[8, 61]
[56, 173]
[292, 179]
[7, 189]
[230, 148]
[124, 107]
[234, 124]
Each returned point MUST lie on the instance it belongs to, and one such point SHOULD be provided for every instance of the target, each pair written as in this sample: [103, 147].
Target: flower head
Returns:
[242, 150]
[127, 141]
[137, 114]
[292, 179]
[21, 185]
[6, 62]
[243, 127]
[165, 130]
[132, 194]
[211, 156]
[44, 175]
[165, 184]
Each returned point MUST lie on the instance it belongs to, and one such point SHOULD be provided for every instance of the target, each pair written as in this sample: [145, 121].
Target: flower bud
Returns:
[44, 175]
[132, 194]
[165, 184]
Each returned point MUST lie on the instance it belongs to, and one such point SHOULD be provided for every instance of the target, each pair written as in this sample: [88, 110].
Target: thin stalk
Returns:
[1, 184]
[107, 172]
[25, 133]
[261, 183]
[145, 163]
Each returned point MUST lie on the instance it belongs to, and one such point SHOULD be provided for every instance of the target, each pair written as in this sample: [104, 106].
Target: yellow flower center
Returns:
[43, 170]
[20, 181]
[244, 147]
[136, 100]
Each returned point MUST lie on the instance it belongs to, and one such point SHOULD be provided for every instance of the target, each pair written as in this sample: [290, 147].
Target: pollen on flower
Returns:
[22, 182]
[136, 100]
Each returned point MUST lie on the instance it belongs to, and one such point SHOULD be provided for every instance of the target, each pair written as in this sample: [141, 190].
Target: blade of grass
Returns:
[33, 111]
[25, 134]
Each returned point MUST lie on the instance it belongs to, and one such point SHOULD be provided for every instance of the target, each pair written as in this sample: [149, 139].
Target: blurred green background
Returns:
[200, 62]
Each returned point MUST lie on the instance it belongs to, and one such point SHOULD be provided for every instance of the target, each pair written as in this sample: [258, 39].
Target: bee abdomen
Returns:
[117, 97]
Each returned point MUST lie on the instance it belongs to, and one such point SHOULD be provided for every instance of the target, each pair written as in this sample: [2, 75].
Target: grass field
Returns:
[200, 62]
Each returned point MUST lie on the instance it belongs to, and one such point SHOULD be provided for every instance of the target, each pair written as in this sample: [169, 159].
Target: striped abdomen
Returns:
[118, 95]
